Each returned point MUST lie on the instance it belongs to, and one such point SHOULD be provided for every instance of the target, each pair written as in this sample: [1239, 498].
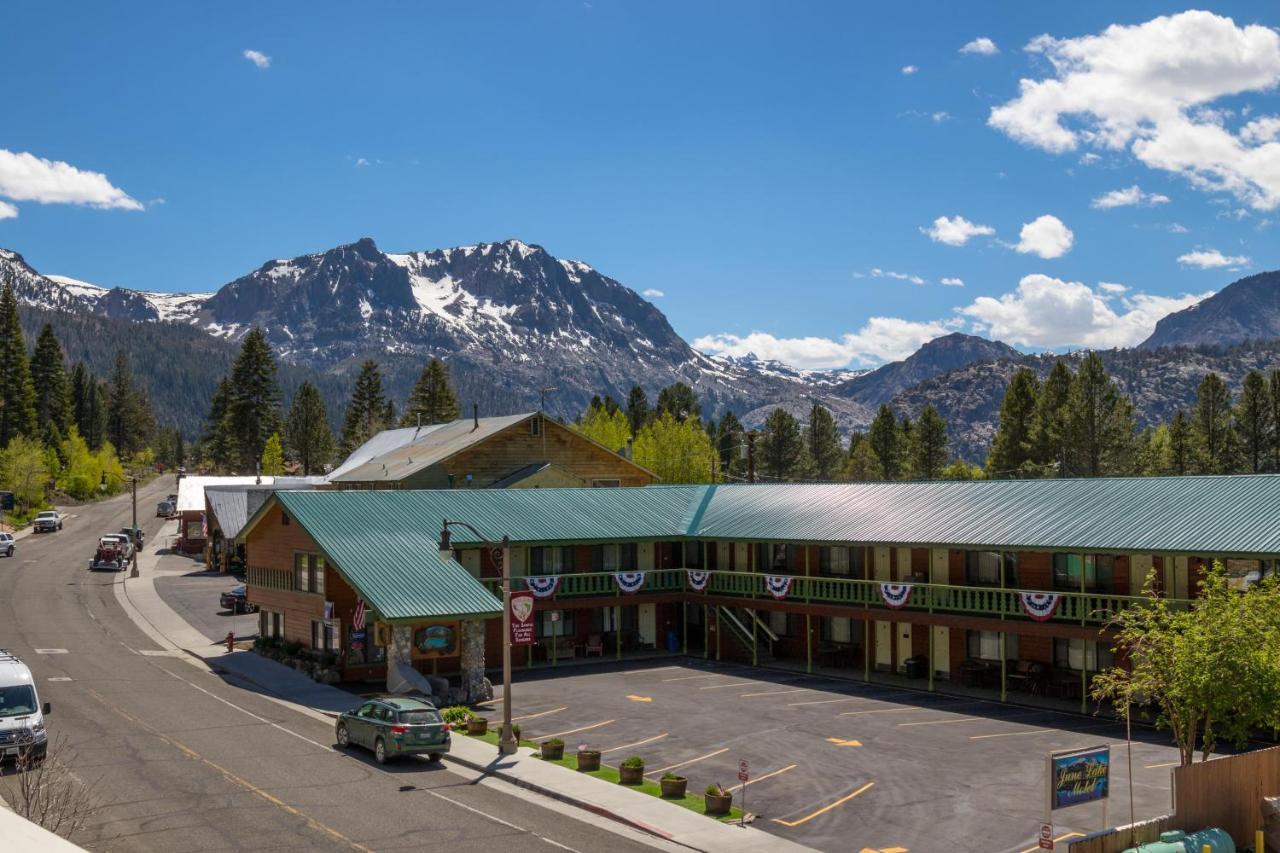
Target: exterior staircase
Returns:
[735, 625]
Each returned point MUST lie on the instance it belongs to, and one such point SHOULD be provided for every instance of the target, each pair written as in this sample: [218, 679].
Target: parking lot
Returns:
[840, 765]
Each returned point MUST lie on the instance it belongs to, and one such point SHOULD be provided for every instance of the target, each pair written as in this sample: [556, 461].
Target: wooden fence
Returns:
[1226, 792]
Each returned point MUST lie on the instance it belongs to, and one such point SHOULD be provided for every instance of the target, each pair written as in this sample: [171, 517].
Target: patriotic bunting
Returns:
[629, 582]
[895, 594]
[1040, 606]
[698, 580]
[778, 585]
[542, 586]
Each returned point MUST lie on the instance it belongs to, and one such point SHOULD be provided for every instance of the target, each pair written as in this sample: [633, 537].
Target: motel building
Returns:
[1003, 587]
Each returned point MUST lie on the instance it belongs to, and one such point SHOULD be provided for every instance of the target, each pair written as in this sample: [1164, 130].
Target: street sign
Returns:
[743, 772]
[6, 501]
[522, 618]
[1046, 836]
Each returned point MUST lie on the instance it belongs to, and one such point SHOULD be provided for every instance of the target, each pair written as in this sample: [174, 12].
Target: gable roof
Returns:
[191, 489]
[233, 506]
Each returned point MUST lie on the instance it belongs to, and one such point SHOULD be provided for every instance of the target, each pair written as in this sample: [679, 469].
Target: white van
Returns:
[21, 714]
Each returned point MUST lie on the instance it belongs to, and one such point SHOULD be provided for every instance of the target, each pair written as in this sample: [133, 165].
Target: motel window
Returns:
[308, 573]
[562, 627]
[1098, 570]
[550, 560]
[985, 645]
[837, 629]
[603, 621]
[613, 557]
[691, 552]
[324, 635]
[1081, 654]
[778, 623]
[775, 557]
[842, 562]
[984, 568]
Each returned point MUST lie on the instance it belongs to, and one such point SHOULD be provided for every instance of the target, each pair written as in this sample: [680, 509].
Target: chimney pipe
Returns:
[631, 449]
[475, 413]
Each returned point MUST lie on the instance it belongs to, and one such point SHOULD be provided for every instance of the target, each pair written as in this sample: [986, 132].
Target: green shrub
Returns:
[714, 790]
[515, 731]
[457, 714]
[633, 762]
[671, 777]
[555, 741]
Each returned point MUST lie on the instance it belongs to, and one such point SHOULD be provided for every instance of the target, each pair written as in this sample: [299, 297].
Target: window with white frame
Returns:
[308, 573]
[1081, 654]
[837, 629]
[550, 560]
[985, 645]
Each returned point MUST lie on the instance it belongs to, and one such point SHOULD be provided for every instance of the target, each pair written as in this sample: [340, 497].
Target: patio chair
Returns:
[595, 645]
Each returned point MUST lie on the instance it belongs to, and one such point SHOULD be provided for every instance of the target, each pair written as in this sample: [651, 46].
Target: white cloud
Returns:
[1089, 158]
[876, 272]
[909, 70]
[1147, 89]
[1111, 287]
[982, 46]
[26, 177]
[940, 116]
[1051, 313]
[1208, 259]
[360, 161]
[953, 282]
[1177, 228]
[258, 58]
[955, 230]
[881, 339]
[653, 293]
[1045, 236]
[1128, 197]
[8, 211]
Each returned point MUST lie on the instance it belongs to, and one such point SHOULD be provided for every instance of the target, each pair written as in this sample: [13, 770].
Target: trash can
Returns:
[917, 667]
[673, 642]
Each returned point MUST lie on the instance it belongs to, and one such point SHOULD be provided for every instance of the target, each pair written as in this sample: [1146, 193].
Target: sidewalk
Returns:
[139, 598]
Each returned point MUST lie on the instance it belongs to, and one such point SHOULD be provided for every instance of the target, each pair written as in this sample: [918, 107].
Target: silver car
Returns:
[6, 544]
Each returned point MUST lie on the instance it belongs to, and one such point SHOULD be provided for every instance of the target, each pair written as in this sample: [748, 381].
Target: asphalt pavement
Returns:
[177, 759]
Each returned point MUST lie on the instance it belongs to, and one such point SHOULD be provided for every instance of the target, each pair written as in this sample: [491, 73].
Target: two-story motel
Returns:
[1005, 585]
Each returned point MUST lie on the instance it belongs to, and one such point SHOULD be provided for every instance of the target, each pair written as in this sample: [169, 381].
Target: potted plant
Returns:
[588, 759]
[673, 786]
[515, 732]
[477, 726]
[553, 750]
[631, 771]
[718, 800]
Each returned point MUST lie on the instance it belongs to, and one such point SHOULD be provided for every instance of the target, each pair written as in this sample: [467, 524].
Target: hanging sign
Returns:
[1079, 776]
[778, 585]
[542, 586]
[1040, 606]
[698, 580]
[895, 594]
[629, 582]
[522, 618]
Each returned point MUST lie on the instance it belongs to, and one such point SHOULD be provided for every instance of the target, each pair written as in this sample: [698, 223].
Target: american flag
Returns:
[357, 618]
[204, 525]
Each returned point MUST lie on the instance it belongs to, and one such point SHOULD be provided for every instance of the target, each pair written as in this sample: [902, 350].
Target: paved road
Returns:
[181, 760]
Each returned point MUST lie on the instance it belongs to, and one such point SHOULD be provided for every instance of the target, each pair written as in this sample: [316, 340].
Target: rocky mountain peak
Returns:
[1246, 310]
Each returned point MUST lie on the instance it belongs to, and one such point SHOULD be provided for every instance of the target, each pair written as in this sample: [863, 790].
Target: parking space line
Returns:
[637, 743]
[773, 692]
[1012, 734]
[722, 686]
[762, 778]
[883, 711]
[942, 722]
[846, 798]
[825, 701]
[575, 731]
[539, 714]
[662, 770]
[692, 677]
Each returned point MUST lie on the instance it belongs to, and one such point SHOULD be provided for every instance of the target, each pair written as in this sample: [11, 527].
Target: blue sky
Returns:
[773, 169]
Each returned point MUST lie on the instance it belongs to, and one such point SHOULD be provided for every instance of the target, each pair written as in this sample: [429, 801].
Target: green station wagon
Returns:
[393, 726]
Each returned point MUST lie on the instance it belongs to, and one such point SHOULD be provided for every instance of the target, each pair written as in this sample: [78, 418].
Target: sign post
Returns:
[744, 776]
[522, 618]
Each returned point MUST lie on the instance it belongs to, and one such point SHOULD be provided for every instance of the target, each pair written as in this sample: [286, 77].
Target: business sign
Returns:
[744, 772]
[522, 618]
[1079, 776]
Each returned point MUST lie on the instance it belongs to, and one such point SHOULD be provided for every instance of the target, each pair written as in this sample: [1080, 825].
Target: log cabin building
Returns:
[1006, 586]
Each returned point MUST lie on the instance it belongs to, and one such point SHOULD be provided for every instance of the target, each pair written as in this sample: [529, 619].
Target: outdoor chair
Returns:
[595, 645]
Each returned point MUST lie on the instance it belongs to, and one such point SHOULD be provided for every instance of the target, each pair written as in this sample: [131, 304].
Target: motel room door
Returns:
[940, 635]
[883, 630]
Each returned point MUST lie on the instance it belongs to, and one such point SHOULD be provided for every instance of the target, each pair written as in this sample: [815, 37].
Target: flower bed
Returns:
[318, 667]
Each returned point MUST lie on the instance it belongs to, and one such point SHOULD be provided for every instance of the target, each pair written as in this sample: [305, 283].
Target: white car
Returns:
[6, 544]
[22, 734]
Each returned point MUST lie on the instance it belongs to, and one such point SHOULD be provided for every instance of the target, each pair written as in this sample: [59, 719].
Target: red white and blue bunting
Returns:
[778, 585]
[543, 586]
[895, 594]
[629, 582]
[1040, 606]
[698, 580]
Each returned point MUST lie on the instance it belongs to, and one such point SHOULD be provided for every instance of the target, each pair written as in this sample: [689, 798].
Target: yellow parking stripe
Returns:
[824, 809]
[1166, 764]
[762, 778]
[637, 743]
[662, 770]
[539, 714]
[575, 731]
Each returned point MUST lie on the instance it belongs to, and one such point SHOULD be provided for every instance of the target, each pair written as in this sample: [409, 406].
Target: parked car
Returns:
[393, 726]
[110, 554]
[134, 534]
[164, 509]
[236, 600]
[47, 522]
[6, 544]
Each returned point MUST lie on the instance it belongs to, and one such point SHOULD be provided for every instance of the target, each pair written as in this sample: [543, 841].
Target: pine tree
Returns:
[884, 438]
[1211, 420]
[729, 440]
[272, 462]
[17, 394]
[1273, 384]
[1013, 450]
[1101, 422]
[254, 406]
[53, 391]
[1253, 425]
[80, 384]
[1053, 422]
[1181, 452]
[179, 449]
[367, 411]
[679, 401]
[307, 430]
[929, 445]
[862, 463]
[824, 443]
[96, 415]
[219, 438]
[126, 426]
[432, 400]
[780, 446]
[637, 409]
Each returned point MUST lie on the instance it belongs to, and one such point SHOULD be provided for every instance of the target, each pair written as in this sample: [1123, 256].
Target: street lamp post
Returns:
[133, 531]
[501, 551]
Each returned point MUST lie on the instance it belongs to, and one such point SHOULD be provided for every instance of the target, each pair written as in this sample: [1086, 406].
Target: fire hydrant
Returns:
[231, 641]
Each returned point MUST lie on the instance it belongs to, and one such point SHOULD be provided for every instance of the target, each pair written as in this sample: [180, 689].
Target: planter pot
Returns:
[718, 805]
[674, 789]
[477, 726]
[553, 752]
[588, 760]
[630, 775]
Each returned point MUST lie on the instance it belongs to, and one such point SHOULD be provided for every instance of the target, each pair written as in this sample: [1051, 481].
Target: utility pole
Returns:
[133, 534]
[751, 456]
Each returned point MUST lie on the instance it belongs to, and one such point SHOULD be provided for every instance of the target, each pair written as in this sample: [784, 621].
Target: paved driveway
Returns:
[839, 765]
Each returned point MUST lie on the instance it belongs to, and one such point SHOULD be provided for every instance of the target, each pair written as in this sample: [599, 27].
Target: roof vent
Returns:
[475, 413]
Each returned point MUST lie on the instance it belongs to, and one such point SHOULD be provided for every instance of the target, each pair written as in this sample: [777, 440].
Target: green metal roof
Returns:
[391, 557]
